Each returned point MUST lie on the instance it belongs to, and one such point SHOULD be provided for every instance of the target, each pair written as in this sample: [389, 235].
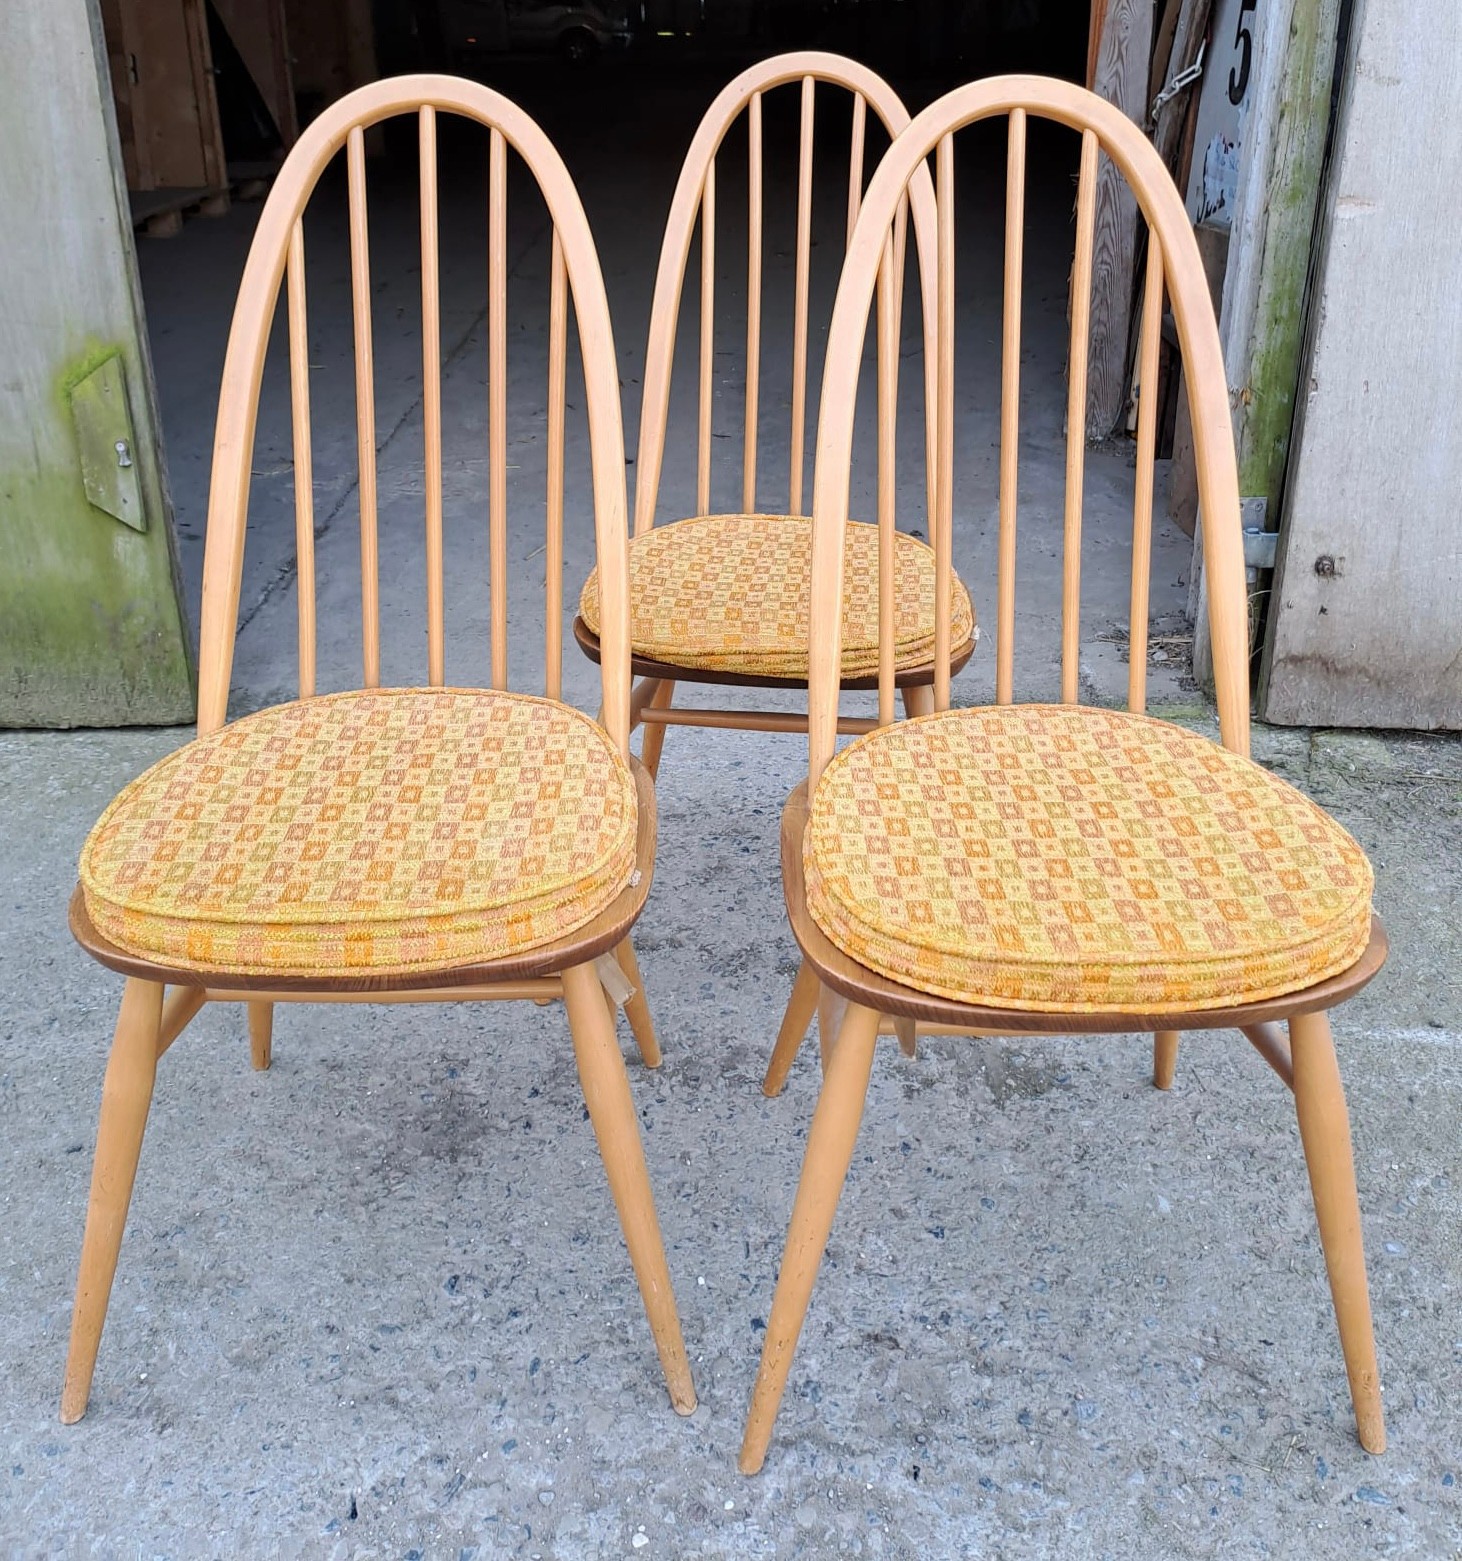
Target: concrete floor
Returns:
[375, 1302]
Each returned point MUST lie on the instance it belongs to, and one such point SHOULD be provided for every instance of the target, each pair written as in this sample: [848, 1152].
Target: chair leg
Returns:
[126, 1096]
[637, 1006]
[612, 1111]
[1325, 1133]
[654, 739]
[261, 1035]
[801, 1006]
[831, 1007]
[918, 699]
[1164, 1058]
[824, 1169]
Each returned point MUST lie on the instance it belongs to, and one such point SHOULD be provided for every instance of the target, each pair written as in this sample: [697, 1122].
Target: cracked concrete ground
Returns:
[375, 1302]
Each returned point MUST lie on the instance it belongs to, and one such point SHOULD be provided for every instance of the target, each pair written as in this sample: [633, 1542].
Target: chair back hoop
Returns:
[693, 206]
[278, 245]
[1173, 255]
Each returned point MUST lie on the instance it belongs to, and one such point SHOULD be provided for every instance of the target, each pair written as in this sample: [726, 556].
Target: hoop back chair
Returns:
[721, 598]
[387, 845]
[1025, 868]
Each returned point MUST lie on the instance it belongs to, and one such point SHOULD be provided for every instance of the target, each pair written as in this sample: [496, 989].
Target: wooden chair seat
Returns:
[1074, 860]
[388, 831]
[730, 593]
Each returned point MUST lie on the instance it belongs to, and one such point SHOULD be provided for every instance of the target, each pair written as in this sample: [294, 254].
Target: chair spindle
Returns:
[708, 340]
[497, 402]
[1147, 354]
[1010, 409]
[365, 408]
[304, 489]
[1076, 421]
[753, 299]
[431, 399]
[557, 392]
[889, 279]
[855, 163]
[941, 527]
[799, 318]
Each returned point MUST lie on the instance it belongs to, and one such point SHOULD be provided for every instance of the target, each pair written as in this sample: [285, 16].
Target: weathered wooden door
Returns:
[92, 632]
[1365, 628]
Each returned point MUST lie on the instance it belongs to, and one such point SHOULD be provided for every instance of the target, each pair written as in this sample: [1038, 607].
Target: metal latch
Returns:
[104, 438]
[1184, 78]
[1261, 547]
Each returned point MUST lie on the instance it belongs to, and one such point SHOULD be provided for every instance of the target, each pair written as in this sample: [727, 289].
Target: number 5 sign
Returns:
[1223, 111]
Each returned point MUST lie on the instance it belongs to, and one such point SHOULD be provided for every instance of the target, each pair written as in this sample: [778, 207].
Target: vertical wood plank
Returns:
[1076, 396]
[365, 407]
[497, 403]
[557, 392]
[799, 317]
[753, 300]
[708, 340]
[1377, 640]
[304, 481]
[1123, 57]
[1147, 355]
[431, 398]
[1010, 409]
[942, 529]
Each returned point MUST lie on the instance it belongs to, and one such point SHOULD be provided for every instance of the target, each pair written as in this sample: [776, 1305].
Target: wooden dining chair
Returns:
[719, 598]
[391, 845]
[1050, 868]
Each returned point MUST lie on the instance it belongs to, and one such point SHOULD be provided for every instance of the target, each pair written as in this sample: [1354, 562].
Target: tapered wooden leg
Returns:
[918, 699]
[1325, 1133]
[654, 738]
[1164, 1058]
[801, 1006]
[261, 1035]
[824, 1169]
[126, 1096]
[637, 1007]
[612, 1111]
[831, 1007]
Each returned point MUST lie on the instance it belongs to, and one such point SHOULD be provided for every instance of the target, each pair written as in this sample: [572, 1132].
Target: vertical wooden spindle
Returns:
[1076, 420]
[753, 300]
[557, 391]
[855, 163]
[304, 482]
[365, 408]
[943, 522]
[1010, 409]
[888, 360]
[497, 403]
[708, 340]
[431, 399]
[1147, 354]
[799, 316]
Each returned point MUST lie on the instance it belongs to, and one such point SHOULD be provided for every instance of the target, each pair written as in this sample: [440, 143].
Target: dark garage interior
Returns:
[621, 112]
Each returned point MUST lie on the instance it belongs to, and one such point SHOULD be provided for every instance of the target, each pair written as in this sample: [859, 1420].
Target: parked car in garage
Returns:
[578, 32]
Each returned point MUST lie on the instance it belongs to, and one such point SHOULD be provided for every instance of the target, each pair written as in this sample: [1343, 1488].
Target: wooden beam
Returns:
[1265, 285]
[1122, 61]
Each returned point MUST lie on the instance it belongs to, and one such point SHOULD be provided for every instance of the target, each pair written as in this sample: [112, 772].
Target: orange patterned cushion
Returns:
[391, 831]
[1071, 860]
[730, 593]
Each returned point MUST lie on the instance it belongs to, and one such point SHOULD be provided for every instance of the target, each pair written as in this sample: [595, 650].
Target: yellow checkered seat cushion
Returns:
[731, 593]
[1071, 860]
[387, 831]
